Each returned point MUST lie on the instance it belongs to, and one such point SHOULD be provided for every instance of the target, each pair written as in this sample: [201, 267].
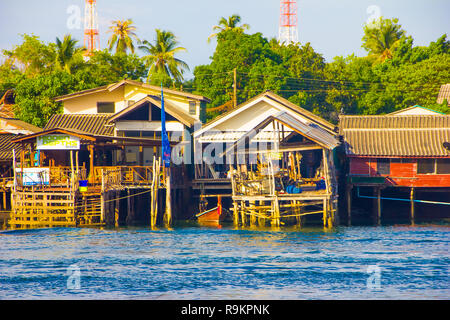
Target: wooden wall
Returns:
[399, 173]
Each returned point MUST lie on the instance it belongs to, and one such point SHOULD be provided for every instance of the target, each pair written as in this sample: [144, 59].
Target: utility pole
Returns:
[235, 88]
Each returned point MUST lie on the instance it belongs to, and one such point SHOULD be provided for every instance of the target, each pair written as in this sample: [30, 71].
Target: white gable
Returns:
[249, 116]
[416, 110]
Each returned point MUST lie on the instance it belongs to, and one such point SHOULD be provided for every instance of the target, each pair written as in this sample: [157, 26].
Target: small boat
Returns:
[217, 214]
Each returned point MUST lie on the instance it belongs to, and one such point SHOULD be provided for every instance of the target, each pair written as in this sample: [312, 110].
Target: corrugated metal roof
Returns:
[407, 135]
[444, 93]
[311, 131]
[276, 98]
[17, 126]
[6, 146]
[95, 124]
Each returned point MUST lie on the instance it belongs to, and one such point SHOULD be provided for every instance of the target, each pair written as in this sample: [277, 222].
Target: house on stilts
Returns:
[402, 157]
[10, 129]
[99, 161]
[272, 159]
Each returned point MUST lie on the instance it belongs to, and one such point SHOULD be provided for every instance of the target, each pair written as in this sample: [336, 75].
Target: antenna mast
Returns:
[288, 31]
[91, 35]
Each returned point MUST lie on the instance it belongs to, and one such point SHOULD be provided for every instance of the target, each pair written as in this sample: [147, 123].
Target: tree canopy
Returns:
[394, 75]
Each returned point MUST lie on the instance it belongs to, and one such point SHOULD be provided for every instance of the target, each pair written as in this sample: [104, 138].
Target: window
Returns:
[443, 166]
[105, 107]
[425, 166]
[192, 107]
[383, 166]
[132, 134]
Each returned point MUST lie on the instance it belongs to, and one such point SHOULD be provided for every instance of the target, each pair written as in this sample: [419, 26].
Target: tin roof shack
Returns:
[399, 152]
[231, 126]
[271, 152]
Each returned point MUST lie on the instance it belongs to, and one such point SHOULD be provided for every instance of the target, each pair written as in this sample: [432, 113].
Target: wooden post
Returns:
[349, 204]
[325, 215]
[116, 209]
[91, 164]
[378, 206]
[168, 215]
[412, 206]
[102, 200]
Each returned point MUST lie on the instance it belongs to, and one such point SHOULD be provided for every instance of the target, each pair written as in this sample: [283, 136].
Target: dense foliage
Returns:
[394, 75]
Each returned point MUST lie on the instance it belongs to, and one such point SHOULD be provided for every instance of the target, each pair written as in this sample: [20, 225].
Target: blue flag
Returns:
[164, 137]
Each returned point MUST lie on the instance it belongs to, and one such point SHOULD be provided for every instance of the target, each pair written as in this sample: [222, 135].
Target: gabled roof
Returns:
[114, 86]
[275, 100]
[7, 146]
[399, 136]
[174, 111]
[444, 93]
[17, 126]
[95, 124]
[421, 109]
[311, 131]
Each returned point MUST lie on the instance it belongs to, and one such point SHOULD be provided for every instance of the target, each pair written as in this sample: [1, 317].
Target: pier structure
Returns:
[48, 191]
[272, 160]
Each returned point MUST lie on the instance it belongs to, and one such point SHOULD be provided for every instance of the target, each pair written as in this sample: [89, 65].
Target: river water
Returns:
[198, 262]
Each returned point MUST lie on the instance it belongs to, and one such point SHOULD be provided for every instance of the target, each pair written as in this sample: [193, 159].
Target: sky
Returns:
[333, 27]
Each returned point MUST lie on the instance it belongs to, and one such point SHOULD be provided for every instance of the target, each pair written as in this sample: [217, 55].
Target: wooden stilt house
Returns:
[404, 151]
[276, 158]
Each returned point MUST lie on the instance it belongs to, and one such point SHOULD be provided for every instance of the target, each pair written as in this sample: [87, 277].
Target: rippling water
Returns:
[194, 262]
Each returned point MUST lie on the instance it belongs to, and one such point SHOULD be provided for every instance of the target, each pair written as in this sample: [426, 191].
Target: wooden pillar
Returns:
[91, 163]
[116, 209]
[168, 214]
[349, 204]
[378, 206]
[253, 217]
[276, 212]
[412, 206]
[102, 200]
[325, 213]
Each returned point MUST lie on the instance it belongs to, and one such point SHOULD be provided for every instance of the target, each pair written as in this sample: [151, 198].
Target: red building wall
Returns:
[401, 174]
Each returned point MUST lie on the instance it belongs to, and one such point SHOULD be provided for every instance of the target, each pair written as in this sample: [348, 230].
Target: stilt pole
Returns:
[412, 206]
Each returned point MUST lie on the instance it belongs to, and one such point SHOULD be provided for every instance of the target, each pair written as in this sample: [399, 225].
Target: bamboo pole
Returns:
[412, 207]
[102, 199]
[349, 204]
[168, 215]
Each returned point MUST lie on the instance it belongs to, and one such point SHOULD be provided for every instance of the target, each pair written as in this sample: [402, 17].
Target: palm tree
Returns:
[160, 57]
[122, 34]
[67, 53]
[228, 24]
[382, 40]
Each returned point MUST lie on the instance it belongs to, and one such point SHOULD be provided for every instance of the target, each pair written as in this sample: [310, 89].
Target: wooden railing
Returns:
[102, 177]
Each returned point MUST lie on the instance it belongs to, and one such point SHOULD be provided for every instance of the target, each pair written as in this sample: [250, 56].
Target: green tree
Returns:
[34, 96]
[382, 38]
[68, 55]
[108, 68]
[232, 23]
[160, 59]
[122, 36]
[32, 56]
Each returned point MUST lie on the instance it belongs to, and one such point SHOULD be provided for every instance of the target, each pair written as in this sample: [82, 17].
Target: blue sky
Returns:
[333, 27]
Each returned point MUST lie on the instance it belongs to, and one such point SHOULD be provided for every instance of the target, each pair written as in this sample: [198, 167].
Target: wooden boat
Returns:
[217, 214]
